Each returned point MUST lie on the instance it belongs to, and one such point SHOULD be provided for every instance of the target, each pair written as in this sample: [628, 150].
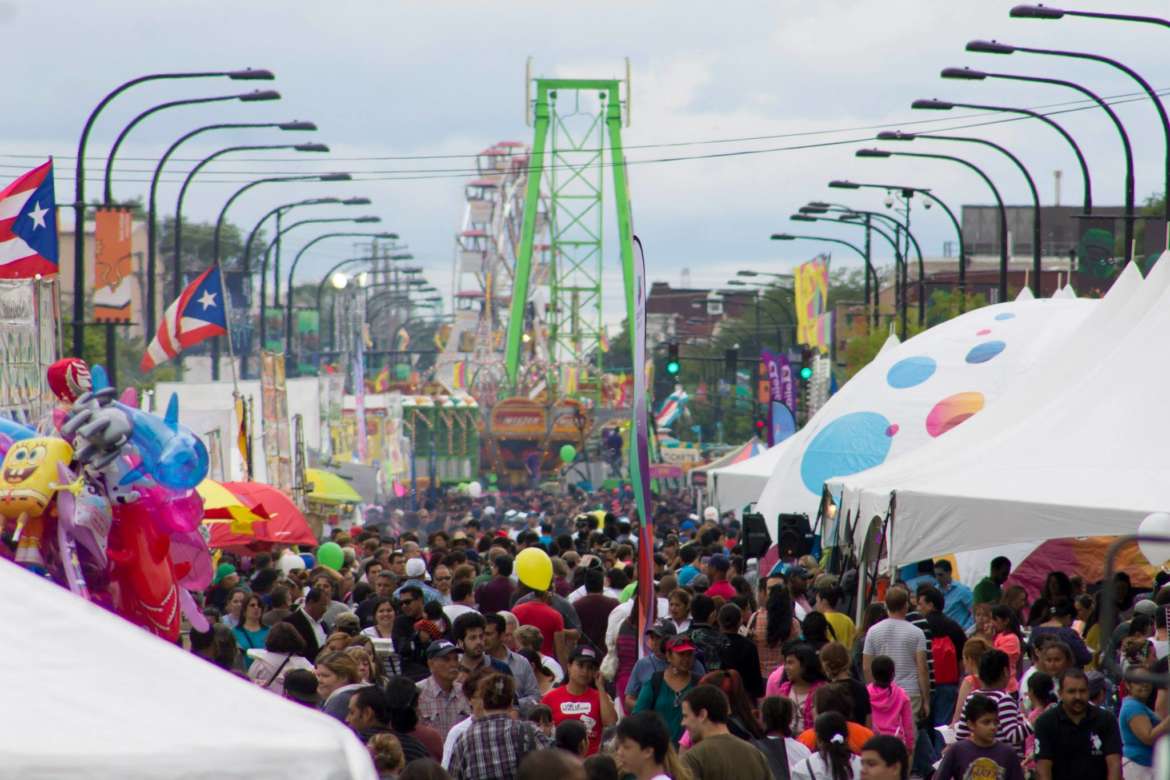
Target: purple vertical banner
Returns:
[781, 383]
[640, 454]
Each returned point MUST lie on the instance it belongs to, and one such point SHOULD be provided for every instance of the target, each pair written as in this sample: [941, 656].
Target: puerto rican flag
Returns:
[28, 225]
[199, 313]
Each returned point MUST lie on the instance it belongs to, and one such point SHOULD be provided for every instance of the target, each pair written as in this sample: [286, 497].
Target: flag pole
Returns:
[227, 323]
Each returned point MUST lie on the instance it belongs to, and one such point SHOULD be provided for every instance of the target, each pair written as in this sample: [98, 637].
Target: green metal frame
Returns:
[576, 207]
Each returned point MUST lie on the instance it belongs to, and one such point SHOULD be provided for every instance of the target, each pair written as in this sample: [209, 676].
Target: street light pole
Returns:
[967, 74]
[864, 253]
[254, 96]
[1046, 12]
[1037, 232]
[152, 205]
[79, 181]
[292, 272]
[850, 185]
[880, 154]
[995, 47]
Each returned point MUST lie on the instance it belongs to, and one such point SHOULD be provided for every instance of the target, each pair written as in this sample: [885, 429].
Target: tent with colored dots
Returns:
[1077, 449]
[916, 393]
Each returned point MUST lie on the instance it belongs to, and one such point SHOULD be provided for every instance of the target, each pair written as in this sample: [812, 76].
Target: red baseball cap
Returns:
[680, 643]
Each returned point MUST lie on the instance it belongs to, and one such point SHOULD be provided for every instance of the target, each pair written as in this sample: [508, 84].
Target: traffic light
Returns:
[672, 363]
[761, 427]
[807, 356]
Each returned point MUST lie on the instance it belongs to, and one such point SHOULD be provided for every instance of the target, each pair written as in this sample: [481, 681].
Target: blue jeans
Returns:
[942, 703]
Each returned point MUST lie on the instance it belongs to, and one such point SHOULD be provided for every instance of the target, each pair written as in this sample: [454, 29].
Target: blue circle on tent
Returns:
[981, 353]
[910, 371]
[849, 444]
[1007, 315]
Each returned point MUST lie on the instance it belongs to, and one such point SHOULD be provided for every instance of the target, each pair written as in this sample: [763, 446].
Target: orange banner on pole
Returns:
[113, 268]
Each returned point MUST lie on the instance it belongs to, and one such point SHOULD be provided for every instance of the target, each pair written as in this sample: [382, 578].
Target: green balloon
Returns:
[493, 479]
[568, 453]
[330, 554]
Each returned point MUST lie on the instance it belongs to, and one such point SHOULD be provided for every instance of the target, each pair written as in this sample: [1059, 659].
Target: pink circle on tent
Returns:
[983, 332]
[952, 411]
[892, 430]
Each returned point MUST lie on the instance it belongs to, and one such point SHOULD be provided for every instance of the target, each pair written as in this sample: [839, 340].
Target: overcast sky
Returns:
[385, 79]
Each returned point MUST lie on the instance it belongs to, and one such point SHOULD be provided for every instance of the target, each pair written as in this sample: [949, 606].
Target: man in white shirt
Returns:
[462, 600]
[905, 643]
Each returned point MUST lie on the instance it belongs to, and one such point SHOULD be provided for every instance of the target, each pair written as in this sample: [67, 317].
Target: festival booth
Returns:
[1075, 449]
[912, 393]
[129, 705]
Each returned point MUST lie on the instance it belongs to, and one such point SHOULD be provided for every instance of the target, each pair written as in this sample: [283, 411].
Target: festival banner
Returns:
[274, 421]
[113, 271]
[781, 380]
[811, 292]
[29, 341]
[640, 452]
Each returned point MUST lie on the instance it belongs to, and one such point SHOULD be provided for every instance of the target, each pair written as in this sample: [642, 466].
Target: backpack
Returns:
[776, 754]
[946, 660]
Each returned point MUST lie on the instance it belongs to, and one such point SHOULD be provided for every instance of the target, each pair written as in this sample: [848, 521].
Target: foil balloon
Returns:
[12, 432]
[28, 476]
[171, 454]
[172, 512]
[147, 593]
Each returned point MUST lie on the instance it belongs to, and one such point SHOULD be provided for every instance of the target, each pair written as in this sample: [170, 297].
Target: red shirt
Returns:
[585, 708]
[722, 588]
[543, 617]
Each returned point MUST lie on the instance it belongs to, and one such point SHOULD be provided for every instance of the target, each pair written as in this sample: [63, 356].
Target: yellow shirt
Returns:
[842, 626]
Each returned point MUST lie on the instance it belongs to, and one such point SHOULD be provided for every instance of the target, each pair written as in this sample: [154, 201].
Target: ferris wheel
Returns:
[484, 264]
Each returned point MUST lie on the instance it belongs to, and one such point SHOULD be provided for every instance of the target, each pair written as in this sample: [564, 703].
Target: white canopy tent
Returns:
[913, 393]
[90, 695]
[1076, 448]
[737, 485]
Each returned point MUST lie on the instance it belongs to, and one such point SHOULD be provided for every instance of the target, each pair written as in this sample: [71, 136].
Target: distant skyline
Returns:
[393, 80]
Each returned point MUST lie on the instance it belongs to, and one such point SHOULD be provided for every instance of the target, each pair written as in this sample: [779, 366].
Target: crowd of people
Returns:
[448, 658]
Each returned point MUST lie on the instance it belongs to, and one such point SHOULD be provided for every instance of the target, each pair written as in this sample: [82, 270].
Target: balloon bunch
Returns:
[107, 507]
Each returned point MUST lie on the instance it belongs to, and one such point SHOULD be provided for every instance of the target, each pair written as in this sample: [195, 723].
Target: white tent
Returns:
[1075, 449]
[89, 695]
[735, 486]
[913, 393]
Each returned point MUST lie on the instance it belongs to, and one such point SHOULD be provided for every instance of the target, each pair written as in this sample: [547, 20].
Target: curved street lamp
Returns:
[1037, 232]
[1046, 12]
[879, 154]
[995, 47]
[79, 180]
[255, 96]
[337, 280]
[967, 74]
[869, 269]
[178, 286]
[293, 269]
[152, 203]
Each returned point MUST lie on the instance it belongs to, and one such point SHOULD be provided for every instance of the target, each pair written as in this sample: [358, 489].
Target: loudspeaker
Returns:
[796, 537]
[756, 538]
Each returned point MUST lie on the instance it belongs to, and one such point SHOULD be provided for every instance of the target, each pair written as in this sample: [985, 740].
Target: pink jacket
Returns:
[891, 712]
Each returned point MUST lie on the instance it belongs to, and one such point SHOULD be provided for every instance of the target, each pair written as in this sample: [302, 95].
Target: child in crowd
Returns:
[1041, 696]
[994, 669]
[541, 715]
[890, 705]
[980, 754]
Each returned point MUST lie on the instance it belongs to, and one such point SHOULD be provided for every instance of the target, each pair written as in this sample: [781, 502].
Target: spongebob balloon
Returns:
[28, 476]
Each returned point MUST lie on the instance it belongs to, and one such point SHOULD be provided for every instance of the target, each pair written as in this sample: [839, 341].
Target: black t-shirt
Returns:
[1077, 750]
[860, 696]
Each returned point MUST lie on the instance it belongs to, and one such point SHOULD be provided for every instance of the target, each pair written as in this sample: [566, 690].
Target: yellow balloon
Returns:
[534, 568]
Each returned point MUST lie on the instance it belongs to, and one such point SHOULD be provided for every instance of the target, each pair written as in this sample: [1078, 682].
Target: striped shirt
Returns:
[1013, 729]
[902, 642]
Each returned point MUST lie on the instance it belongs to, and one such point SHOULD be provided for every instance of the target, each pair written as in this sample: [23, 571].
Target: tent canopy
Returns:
[102, 699]
[735, 486]
[1076, 450]
[328, 488]
[283, 522]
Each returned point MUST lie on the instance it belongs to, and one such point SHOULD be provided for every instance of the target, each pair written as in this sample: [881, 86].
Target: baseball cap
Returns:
[662, 629]
[680, 643]
[416, 568]
[1146, 607]
[584, 653]
[711, 513]
[719, 563]
[441, 649]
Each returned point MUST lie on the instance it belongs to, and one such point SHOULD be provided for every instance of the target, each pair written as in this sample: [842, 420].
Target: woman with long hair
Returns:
[741, 720]
[644, 749]
[835, 661]
[368, 671]
[773, 625]
[233, 611]
[833, 759]
[1009, 639]
[282, 653]
[337, 681]
[777, 714]
[250, 632]
[798, 679]
[816, 630]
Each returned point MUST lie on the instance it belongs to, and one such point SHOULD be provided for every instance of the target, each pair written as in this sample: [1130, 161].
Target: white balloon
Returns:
[475, 490]
[1157, 524]
[289, 562]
